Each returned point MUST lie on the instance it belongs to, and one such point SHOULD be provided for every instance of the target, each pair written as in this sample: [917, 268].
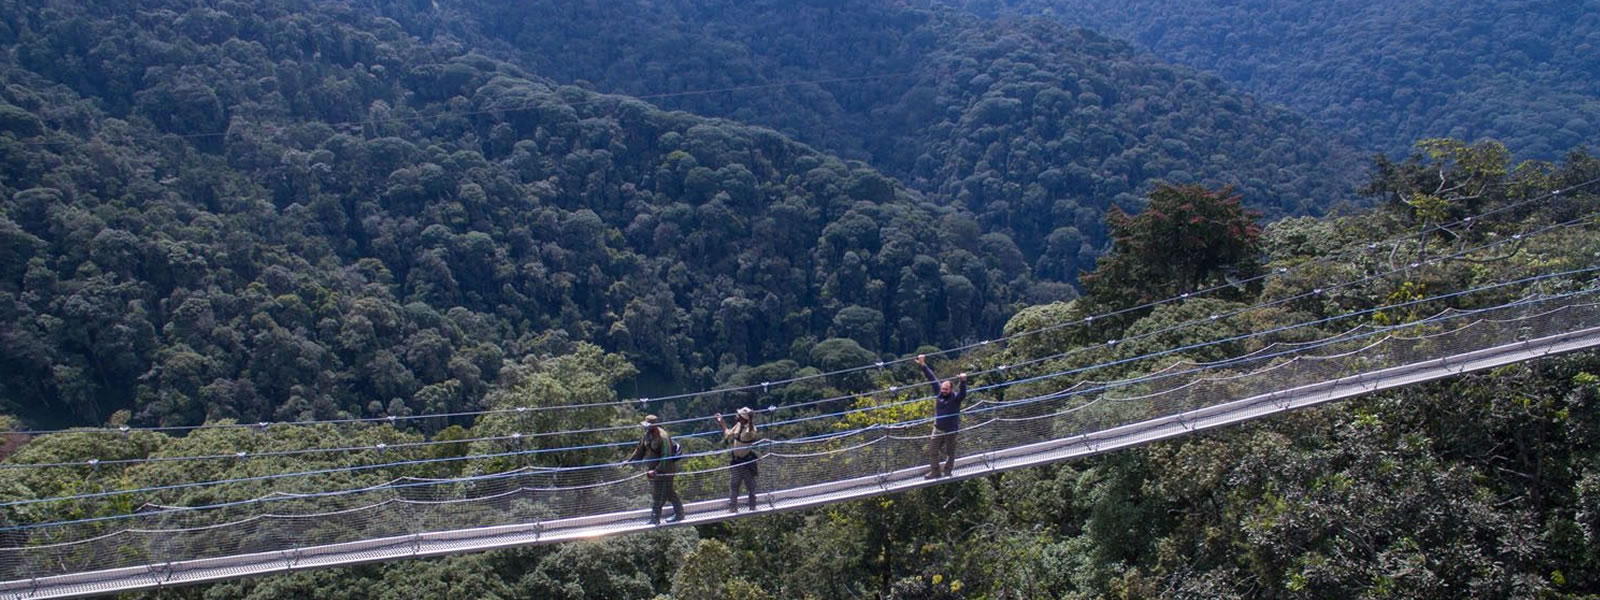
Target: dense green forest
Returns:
[1484, 486]
[216, 211]
[311, 210]
[1385, 73]
[386, 220]
[1009, 122]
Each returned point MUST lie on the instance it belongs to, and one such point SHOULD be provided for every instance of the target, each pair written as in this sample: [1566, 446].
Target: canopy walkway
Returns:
[167, 546]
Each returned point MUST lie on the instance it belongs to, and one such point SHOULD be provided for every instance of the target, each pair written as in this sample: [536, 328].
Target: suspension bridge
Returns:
[169, 546]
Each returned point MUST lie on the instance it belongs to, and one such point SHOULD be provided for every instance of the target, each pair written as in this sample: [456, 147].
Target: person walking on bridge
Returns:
[946, 420]
[742, 470]
[660, 454]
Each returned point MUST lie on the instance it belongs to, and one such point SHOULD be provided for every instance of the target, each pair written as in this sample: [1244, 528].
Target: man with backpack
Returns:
[660, 454]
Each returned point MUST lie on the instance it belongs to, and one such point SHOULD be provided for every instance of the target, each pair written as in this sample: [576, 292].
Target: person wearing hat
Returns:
[657, 449]
[946, 420]
[742, 470]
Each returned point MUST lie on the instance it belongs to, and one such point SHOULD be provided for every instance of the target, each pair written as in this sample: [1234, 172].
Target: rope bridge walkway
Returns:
[166, 546]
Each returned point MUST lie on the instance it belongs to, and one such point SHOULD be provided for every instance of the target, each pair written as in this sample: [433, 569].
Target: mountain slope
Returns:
[1523, 72]
[1033, 127]
[388, 217]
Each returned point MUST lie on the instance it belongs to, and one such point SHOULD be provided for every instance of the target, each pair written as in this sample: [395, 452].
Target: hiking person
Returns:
[659, 452]
[946, 420]
[742, 469]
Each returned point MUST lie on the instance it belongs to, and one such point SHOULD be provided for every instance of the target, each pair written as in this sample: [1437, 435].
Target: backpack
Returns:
[677, 452]
[674, 452]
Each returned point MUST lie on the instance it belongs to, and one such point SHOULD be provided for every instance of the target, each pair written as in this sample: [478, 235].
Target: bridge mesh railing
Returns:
[796, 469]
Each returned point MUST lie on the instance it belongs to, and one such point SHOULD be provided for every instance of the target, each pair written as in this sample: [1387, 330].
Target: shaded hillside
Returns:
[1526, 72]
[388, 217]
[1034, 128]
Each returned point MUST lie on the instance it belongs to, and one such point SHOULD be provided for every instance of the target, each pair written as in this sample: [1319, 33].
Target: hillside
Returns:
[314, 209]
[1011, 122]
[1485, 485]
[230, 212]
[387, 218]
[1388, 73]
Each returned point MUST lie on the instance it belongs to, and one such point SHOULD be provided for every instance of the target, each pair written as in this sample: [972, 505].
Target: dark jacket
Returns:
[946, 409]
[655, 451]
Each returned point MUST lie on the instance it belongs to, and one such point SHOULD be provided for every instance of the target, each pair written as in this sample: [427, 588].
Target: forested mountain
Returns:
[275, 212]
[386, 219]
[216, 210]
[1012, 122]
[1526, 72]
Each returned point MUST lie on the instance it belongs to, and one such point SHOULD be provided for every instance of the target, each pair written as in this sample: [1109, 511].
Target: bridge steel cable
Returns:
[185, 545]
[1072, 371]
[523, 438]
[1395, 241]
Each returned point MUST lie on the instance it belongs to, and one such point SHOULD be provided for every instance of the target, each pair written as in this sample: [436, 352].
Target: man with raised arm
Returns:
[946, 420]
[742, 470]
[657, 449]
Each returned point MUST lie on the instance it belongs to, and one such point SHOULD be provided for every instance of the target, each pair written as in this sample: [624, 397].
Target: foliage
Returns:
[1386, 73]
[1187, 239]
[256, 213]
[714, 572]
[306, 211]
[1484, 485]
[1034, 130]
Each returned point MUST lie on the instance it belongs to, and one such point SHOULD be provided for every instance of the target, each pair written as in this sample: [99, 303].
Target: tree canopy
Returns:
[227, 212]
[1384, 73]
